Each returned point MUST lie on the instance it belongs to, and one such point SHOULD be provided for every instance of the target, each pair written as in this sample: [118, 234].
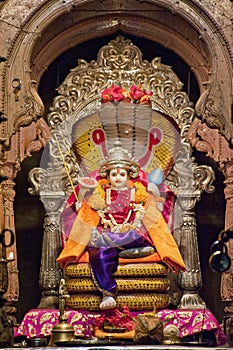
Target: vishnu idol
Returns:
[119, 213]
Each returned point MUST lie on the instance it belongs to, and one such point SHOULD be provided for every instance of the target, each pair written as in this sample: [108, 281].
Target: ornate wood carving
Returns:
[8, 194]
[32, 109]
[215, 145]
[206, 110]
[227, 277]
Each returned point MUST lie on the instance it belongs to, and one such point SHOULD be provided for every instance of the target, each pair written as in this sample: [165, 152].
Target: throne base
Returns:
[134, 301]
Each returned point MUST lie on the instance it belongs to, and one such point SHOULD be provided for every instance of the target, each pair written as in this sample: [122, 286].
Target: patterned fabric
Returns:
[40, 322]
[193, 321]
[37, 322]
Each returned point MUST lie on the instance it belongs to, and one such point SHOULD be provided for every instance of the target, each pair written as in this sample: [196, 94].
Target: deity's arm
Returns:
[153, 189]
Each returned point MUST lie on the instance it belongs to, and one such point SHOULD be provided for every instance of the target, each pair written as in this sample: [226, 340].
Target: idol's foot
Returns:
[107, 303]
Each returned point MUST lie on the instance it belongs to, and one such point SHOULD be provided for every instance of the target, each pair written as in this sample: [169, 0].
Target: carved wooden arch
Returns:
[79, 96]
[22, 25]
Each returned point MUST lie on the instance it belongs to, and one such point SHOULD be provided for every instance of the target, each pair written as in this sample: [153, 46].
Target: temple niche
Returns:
[80, 136]
[184, 58]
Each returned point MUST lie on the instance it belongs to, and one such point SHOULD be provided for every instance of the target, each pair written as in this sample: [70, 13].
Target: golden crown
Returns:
[119, 157]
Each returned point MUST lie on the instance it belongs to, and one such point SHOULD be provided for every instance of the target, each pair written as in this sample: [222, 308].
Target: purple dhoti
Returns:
[104, 255]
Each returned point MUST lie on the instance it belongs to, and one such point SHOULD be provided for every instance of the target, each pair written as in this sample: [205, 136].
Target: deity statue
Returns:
[117, 212]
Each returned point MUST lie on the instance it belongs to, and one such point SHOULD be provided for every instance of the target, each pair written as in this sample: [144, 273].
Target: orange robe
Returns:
[88, 218]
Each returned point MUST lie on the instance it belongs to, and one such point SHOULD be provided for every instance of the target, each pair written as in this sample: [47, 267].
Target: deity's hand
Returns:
[153, 188]
[87, 185]
[78, 205]
[87, 182]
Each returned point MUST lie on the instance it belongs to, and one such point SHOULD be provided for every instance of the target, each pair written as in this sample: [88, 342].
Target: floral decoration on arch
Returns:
[136, 94]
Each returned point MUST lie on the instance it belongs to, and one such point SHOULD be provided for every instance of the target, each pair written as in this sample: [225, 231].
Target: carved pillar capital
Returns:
[187, 201]
[52, 201]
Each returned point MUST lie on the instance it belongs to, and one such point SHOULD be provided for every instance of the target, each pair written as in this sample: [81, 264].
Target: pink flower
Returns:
[117, 93]
[136, 92]
[106, 95]
[115, 318]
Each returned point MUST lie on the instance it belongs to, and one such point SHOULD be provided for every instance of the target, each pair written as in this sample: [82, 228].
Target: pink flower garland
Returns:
[135, 95]
[115, 318]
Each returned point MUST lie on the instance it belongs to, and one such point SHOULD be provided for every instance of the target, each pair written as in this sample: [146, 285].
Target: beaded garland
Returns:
[101, 198]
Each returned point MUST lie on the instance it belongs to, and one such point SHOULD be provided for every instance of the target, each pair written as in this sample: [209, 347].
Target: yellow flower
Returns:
[97, 199]
[103, 182]
[141, 193]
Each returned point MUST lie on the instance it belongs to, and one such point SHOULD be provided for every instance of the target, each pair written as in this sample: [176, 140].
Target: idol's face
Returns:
[118, 177]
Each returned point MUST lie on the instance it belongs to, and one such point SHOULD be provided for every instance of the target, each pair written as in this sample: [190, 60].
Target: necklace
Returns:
[125, 226]
[109, 199]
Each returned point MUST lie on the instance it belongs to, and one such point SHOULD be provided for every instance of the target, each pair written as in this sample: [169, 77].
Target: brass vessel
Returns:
[171, 335]
[63, 331]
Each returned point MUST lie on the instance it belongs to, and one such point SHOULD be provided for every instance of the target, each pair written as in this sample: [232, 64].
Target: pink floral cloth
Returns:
[190, 322]
[38, 322]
